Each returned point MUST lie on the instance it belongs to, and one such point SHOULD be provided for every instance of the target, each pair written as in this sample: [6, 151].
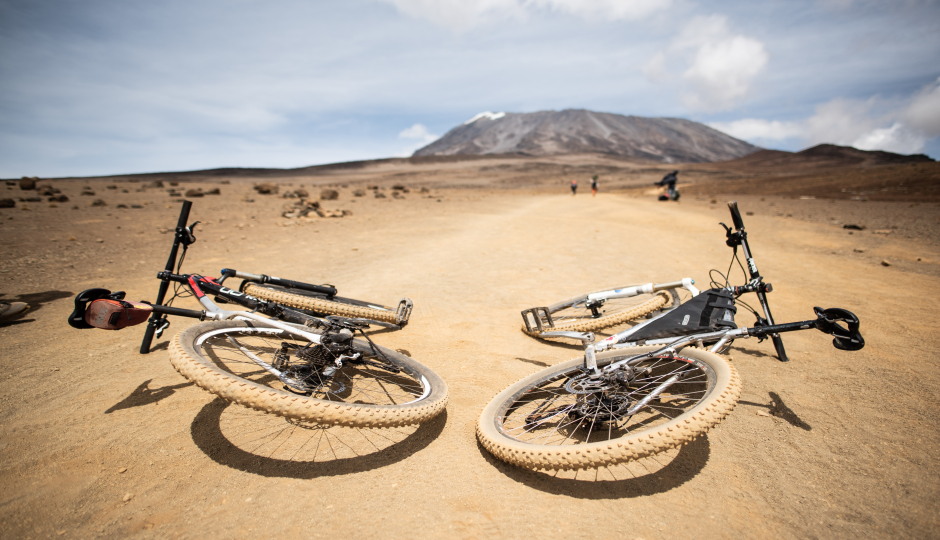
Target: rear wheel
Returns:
[317, 303]
[576, 314]
[560, 418]
[280, 372]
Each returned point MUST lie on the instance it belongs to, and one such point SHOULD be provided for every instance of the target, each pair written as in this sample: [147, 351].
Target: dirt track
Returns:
[833, 444]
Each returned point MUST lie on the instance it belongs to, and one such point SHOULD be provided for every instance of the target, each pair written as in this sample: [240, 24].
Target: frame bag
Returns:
[710, 311]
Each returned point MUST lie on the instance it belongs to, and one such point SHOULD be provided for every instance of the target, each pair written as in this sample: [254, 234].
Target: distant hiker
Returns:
[594, 186]
[574, 187]
[669, 182]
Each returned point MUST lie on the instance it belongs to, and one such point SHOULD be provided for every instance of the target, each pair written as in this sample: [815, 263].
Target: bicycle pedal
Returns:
[533, 317]
[403, 313]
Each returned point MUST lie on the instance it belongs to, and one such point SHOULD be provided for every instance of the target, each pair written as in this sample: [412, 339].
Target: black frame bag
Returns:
[709, 311]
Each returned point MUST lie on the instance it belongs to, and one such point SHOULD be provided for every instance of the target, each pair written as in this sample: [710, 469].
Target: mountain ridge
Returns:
[578, 131]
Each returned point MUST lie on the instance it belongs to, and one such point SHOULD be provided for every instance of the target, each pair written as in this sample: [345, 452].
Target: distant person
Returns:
[594, 186]
[574, 187]
[669, 182]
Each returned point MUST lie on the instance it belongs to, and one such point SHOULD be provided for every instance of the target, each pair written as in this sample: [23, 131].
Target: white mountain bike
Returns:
[652, 387]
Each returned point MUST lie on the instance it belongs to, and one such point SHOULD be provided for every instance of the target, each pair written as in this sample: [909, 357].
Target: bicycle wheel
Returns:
[552, 420]
[309, 301]
[222, 358]
[575, 315]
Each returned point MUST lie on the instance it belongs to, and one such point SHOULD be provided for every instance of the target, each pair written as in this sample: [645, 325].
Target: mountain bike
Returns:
[650, 388]
[273, 358]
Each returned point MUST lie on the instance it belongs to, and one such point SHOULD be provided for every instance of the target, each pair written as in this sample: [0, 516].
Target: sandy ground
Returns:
[99, 441]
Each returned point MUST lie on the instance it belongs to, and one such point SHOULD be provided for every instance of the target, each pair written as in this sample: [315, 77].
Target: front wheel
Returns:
[240, 361]
[559, 419]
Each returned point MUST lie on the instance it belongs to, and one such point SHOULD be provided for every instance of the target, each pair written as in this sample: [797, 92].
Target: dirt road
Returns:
[97, 440]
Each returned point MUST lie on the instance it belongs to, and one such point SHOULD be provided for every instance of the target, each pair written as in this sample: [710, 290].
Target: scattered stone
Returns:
[122, 206]
[47, 191]
[99, 240]
[59, 198]
[124, 191]
[302, 209]
[266, 188]
[27, 184]
[856, 250]
[379, 195]
[397, 195]
[213, 191]
[174, 183]
[111, 187]
[122, 470]
[373, 187]
[194, 192]
[763, 413]
[296, 194]
[885, 263]
[713, 201]
[225, 182]
[398, 187]
[7, 203]
[853, 227]
[359, 193]
[807, 198]
[99, 202]
[88, 192]
[137, 206]
[329, 195]
[31, 199]
[155, 184]
[11, 182]
[424, 190]
[883, 231]
[749, 213]
[128, 497]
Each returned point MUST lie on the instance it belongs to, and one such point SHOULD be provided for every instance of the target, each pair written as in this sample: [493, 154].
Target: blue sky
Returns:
[91, 87]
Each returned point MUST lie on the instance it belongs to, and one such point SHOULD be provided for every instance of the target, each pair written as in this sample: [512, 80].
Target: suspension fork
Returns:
[739, 238]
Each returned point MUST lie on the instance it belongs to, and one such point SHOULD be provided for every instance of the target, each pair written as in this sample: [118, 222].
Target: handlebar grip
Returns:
[736, 215]
[184, 214]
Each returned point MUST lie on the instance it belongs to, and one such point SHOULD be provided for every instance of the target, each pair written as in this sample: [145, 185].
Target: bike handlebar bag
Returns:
[110, 314]
[710, 311]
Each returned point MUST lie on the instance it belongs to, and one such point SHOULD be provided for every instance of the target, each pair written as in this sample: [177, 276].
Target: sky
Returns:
[97, 87]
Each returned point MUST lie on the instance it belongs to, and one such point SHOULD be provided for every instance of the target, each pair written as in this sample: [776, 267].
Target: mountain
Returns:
[577, 131]
[825, 155]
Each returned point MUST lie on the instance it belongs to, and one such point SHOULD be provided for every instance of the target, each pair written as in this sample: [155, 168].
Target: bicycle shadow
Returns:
[261, 444]
[779, 409]
[36, 301]
[144, 395]
[658, 474]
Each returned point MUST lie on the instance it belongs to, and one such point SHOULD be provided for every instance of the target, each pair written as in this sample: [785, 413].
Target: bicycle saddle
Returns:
[846, 339]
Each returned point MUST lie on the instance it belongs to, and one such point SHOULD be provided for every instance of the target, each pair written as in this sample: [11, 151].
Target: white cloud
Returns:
[871, 124]
[461, 15]
[721, 64]
[420, 135]
[603, 9]
[923, 114]
[758, 129]
[418, 131]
